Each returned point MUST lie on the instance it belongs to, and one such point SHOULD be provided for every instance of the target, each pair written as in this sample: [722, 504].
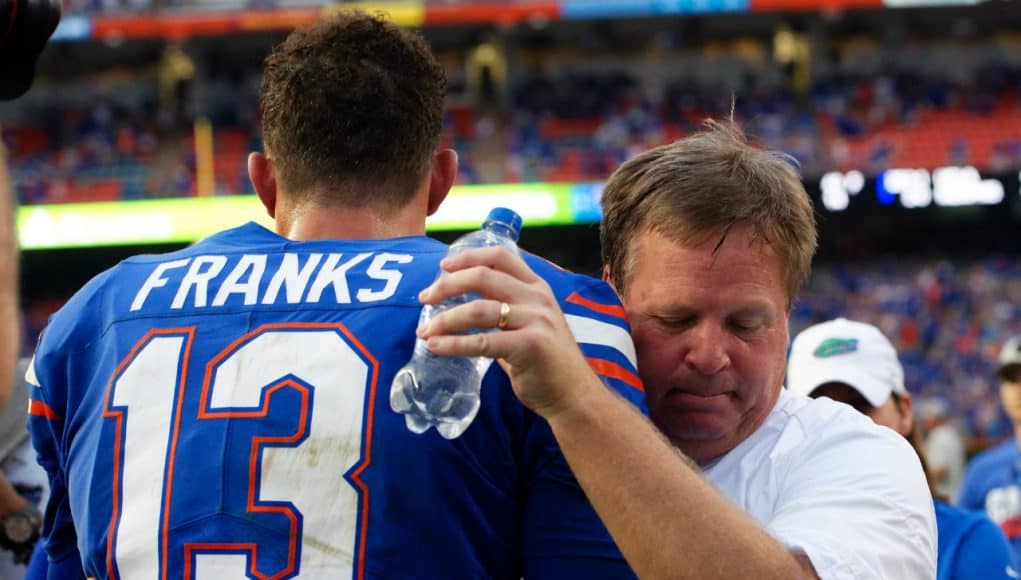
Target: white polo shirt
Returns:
[825, 480]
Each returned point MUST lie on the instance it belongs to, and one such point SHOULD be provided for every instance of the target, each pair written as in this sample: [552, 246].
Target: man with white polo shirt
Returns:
[707, 241]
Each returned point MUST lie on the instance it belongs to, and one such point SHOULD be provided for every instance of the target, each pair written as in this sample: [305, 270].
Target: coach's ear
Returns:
[441, 178]
[263, 175]
[609, 279]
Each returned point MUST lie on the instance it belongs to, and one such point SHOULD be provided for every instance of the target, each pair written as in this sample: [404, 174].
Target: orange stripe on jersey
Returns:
[612, 310]
[41, 409]
[615, 371]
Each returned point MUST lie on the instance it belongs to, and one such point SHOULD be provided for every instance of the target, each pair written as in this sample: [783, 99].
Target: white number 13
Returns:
[312, 476]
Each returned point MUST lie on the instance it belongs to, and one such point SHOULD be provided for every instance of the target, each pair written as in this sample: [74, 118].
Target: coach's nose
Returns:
[707, 352]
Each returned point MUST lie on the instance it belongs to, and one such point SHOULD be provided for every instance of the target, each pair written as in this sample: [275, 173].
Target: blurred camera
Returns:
[25, 26]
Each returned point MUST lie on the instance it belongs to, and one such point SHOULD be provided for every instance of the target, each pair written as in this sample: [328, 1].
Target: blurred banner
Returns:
[185, 220]
[584, 9]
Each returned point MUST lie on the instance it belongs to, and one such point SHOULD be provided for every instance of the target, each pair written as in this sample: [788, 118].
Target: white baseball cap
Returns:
[844, 351]
[1010, 356]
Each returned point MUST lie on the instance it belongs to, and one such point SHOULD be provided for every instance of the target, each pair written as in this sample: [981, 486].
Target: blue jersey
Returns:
[971, 546]
[992, 482]
[223, 412]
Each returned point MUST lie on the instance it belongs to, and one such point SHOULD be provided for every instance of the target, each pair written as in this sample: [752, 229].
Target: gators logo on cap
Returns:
[835, 346]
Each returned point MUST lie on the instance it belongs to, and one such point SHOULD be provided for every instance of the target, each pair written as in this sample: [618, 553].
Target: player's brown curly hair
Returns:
[352, 106]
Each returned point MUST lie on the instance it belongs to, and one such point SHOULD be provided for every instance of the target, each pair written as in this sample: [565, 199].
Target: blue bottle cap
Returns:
[507, 217]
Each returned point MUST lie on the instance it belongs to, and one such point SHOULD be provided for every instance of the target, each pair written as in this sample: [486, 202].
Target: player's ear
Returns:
[441, 178]
[263, 175]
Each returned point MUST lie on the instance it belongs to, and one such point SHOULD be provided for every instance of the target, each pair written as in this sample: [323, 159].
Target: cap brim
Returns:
[1009, 371]
[865, 384]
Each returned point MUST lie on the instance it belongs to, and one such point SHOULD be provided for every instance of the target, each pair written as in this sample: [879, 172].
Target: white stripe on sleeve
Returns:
[30, 377]
[589, 331]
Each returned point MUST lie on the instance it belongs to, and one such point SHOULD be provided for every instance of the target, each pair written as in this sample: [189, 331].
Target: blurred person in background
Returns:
[707, 241]
[23, 484]
[992, 480]
[223, 410]
[944, 447]
[854, 363]
[10, 313]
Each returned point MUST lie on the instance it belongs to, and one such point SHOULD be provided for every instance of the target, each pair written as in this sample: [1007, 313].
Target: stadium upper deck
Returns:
[553, 101]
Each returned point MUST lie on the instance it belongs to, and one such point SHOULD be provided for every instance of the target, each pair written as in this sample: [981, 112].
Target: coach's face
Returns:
[710, 329]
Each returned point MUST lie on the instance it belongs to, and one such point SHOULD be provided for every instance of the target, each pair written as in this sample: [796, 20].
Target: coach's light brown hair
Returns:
[701, 186]
[352, 105]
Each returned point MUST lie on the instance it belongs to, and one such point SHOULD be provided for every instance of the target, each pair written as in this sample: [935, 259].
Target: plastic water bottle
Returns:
[443, 391]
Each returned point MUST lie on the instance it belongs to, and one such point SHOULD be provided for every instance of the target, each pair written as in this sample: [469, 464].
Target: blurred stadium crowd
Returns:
[556, 104]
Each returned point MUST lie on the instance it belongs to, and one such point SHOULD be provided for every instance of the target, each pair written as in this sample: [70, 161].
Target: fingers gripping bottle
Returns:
[443, 391]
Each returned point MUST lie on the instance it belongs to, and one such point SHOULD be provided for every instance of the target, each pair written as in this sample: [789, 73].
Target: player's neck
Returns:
[362, 223]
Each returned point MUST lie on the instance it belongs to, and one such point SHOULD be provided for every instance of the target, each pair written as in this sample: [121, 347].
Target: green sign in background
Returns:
[167, 221]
